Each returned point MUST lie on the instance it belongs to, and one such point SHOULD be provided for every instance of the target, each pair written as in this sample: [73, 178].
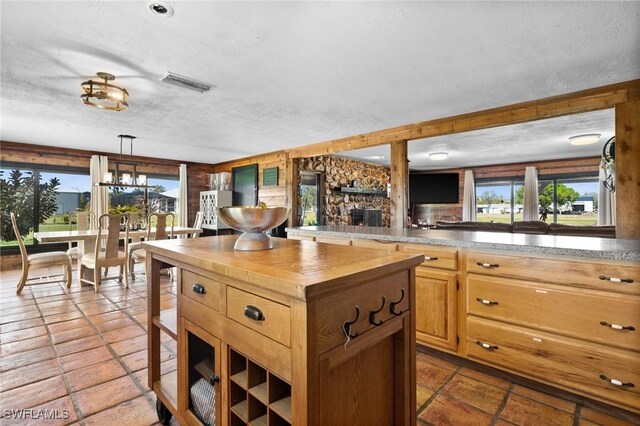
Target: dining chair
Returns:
[136, 253]
[39, 261]
[197, 223]
[110, 255]
[82, 221]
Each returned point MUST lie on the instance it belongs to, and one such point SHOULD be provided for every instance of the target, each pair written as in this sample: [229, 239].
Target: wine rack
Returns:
[257, 396]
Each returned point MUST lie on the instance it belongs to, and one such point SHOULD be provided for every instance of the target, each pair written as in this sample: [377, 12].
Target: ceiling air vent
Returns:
[185, 82]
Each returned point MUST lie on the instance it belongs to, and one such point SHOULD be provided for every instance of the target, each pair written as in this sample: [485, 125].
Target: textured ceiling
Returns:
[295, 73]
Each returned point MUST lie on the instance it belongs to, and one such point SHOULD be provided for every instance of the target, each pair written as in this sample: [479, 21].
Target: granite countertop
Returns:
[586, 247]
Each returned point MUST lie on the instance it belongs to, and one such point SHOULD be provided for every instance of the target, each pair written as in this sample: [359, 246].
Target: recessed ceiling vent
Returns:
[185, 82]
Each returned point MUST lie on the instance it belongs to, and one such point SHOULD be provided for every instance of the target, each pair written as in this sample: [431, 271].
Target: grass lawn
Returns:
[567, 219]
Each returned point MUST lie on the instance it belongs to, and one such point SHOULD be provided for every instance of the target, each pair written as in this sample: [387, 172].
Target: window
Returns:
[162, 196]
[41, 199]
[562, 199]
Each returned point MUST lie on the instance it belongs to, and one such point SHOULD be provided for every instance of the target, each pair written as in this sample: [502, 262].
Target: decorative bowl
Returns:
[253, 221]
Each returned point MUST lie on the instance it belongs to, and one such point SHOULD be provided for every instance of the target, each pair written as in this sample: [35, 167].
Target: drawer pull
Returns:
[372, 314]
[617, 326]
[392, 305]
[616, 280]
[488, 265]
[617, 382]
[198, 288]
[430, 259]
[486, 302]
[486, 345]
[214, 379]
[253, 313]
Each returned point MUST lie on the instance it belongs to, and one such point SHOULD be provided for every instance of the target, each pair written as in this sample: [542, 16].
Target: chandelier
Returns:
[125, 178]
[104, 95]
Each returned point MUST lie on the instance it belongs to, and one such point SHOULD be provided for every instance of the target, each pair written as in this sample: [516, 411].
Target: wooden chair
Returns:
[39, 261]
[197, 224]
[111, 255]
[136, 253]
[82, 220]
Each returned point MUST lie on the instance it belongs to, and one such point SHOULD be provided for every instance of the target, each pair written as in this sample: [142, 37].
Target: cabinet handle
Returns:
[488, 265]
[617, 382]
[430, 259]
[486, 302]
[253, 313]
[486, 345]
[214, 379]
[616, 280]
[617, 326]
[198, 288]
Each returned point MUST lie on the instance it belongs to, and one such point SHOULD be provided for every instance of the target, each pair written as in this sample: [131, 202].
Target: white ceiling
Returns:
[294, 73]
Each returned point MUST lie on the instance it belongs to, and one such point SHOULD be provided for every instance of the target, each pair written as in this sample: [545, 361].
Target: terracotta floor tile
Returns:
[438, 362]
[24, 309]
[25, 345]
[83, 359]
[64, 413]
[135, 311]
[139, 411]
[18, 317]
[96, 310]
[422, 395]
[128, 346]
[94, 375]
[501, 422]
[21, 325]
[12, 301]
[55, 310]
[136, 361]
[604, 419]
[97, 398]
[28, 374]
[475, 393]
[68, 325]
[28, 333]
[26, 358]
[544, 398]
[444, 410]
[141, 377]
[169, 365]
[74, 334]
[526, 412]
[123, 333]
[52, 319]
[492, 380]
[430, 375]
[132, 303]
[79, 345]
[33, 394]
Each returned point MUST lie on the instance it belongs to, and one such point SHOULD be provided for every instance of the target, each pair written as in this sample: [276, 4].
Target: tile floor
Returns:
[84, 355]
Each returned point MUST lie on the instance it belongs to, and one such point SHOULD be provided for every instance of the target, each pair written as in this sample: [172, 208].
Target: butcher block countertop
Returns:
[297, 269]
[584, 247]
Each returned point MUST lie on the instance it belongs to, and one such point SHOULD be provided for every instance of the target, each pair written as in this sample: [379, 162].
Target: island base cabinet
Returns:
[201, 381]
[593, 369]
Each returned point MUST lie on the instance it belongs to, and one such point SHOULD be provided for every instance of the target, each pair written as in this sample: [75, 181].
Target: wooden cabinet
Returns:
[209, 200]
[558, 322]
[276, 338]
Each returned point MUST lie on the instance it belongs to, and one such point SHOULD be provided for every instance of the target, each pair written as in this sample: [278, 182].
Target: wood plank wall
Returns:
[53, 156]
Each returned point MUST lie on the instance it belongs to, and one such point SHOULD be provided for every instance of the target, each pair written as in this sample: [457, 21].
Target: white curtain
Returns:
[530, 207]
[98, 166]
[469, 197]
[183, 198]
[606, 202]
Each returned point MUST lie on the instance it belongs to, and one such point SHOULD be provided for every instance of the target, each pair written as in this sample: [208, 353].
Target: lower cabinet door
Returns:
[436, 312]
[201, 382]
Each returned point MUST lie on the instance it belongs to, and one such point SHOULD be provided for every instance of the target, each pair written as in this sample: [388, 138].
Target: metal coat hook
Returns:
[372, 314]
[346, 327]
[392, 305]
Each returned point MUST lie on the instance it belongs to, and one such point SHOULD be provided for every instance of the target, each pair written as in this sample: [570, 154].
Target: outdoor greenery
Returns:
[17, 196]
[490, 197]
[566, 196]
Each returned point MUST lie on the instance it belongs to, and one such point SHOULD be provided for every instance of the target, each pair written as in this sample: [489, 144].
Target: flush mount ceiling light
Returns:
[584, 139]
[160, 8]
[437, 156]
[104, 95]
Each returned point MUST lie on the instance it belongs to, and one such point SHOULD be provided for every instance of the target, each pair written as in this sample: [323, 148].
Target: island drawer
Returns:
[265, 316]
[434, 256]
[574, 364]
[376, 244]
[597, 316]
[597, 274]
[356, 306]
[203, 289]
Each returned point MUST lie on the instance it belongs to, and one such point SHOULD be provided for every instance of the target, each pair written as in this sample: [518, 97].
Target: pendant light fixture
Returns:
[105, 95]
[128, 178]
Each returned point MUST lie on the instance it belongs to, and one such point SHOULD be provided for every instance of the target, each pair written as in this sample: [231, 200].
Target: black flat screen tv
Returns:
[433, 188]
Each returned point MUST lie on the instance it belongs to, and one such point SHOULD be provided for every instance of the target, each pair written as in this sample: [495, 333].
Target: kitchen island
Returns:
[560, 310]
[302, 334]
